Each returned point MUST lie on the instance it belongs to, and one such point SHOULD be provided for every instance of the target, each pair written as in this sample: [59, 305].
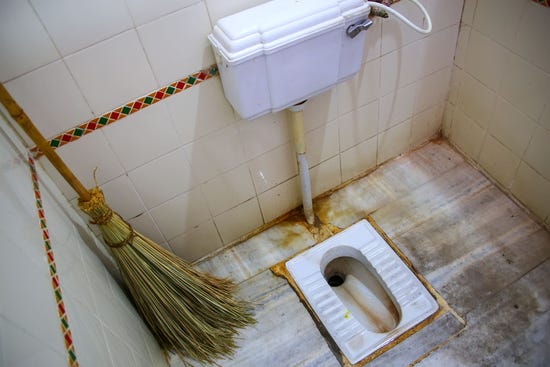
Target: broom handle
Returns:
[26, 124]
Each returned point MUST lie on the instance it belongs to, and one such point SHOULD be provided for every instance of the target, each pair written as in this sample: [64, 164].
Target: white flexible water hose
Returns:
[426, 30]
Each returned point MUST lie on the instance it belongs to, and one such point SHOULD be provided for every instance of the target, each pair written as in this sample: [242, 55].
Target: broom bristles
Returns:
[190, 313]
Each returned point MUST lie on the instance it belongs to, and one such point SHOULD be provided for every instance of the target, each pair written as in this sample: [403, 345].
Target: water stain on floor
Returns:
[478, 249]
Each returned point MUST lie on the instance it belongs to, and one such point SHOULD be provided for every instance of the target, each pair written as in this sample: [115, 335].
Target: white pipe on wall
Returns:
[305, 185]
[298, 135]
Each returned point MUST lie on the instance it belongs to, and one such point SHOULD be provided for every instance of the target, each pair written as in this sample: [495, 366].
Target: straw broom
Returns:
[190, 313]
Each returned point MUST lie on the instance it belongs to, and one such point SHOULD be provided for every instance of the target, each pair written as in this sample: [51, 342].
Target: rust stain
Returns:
[327, 210]
[380, 325]
[291, 234]
[323, 209]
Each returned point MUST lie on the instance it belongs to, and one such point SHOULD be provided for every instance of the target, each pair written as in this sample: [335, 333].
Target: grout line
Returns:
[439, 346]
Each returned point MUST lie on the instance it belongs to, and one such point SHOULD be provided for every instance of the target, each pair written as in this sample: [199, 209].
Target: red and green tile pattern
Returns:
[54, 277]
[129, 108]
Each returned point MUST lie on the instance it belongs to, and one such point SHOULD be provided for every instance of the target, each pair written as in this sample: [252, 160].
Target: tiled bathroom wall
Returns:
[187, 171]
[498, 111]
[58, 304]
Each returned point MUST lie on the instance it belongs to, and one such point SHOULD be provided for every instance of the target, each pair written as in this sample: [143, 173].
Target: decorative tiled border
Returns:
[63, 318]
[543, 2]
[129, 108]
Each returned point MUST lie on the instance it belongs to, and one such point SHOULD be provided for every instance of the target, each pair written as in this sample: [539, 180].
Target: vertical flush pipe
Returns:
[298, 135]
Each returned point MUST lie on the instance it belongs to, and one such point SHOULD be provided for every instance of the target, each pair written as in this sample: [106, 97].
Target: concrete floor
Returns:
[483, 254]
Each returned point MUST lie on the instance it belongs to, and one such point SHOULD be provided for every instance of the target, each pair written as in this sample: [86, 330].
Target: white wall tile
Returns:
[525, 86]
[468, 11]
[531, 41]
[51, 98]
[180, 214]
[19, 346]
[507, 54]
[447, 119]
[163, 178]
[98, 279]
[221, 8]
[228, 190]
[216, 153]
[19, 217]
[444, 13]
[397, 107]
[120, 353]
[280, 199]
[265, 133]
[122, 197]
[73, 282]
[199, 241]
[438, 51]
[239, 220]
[466, 133]
[395, 34]
[88, 336]
[112, 72]
[273, 167]
[476, 100]
[499, 161]
[200, 110]
[545, 118]
[485, 59]
[124, 322]
[432, 90]
[499, 19]
[90, 152]
[73, 25]
[462, 44]
[358, 159]
[358, 125]
[99, 287]
[145, 225]
[320, 109]
[62, 234]
[144, 11]
[538, 152]
[373, 41]
[142, 136]
[25, 50]
[325, 176]
[511, 127]
[394, 73]
[361, 89]
[184, 47]
[146, 362]
[394, 141]
[456, 79]
[423, 57]
[31, 280]
[532, 189]
[426, 124]
[322, 143]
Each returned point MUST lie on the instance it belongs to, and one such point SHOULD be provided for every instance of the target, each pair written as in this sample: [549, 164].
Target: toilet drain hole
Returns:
[336, 280]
